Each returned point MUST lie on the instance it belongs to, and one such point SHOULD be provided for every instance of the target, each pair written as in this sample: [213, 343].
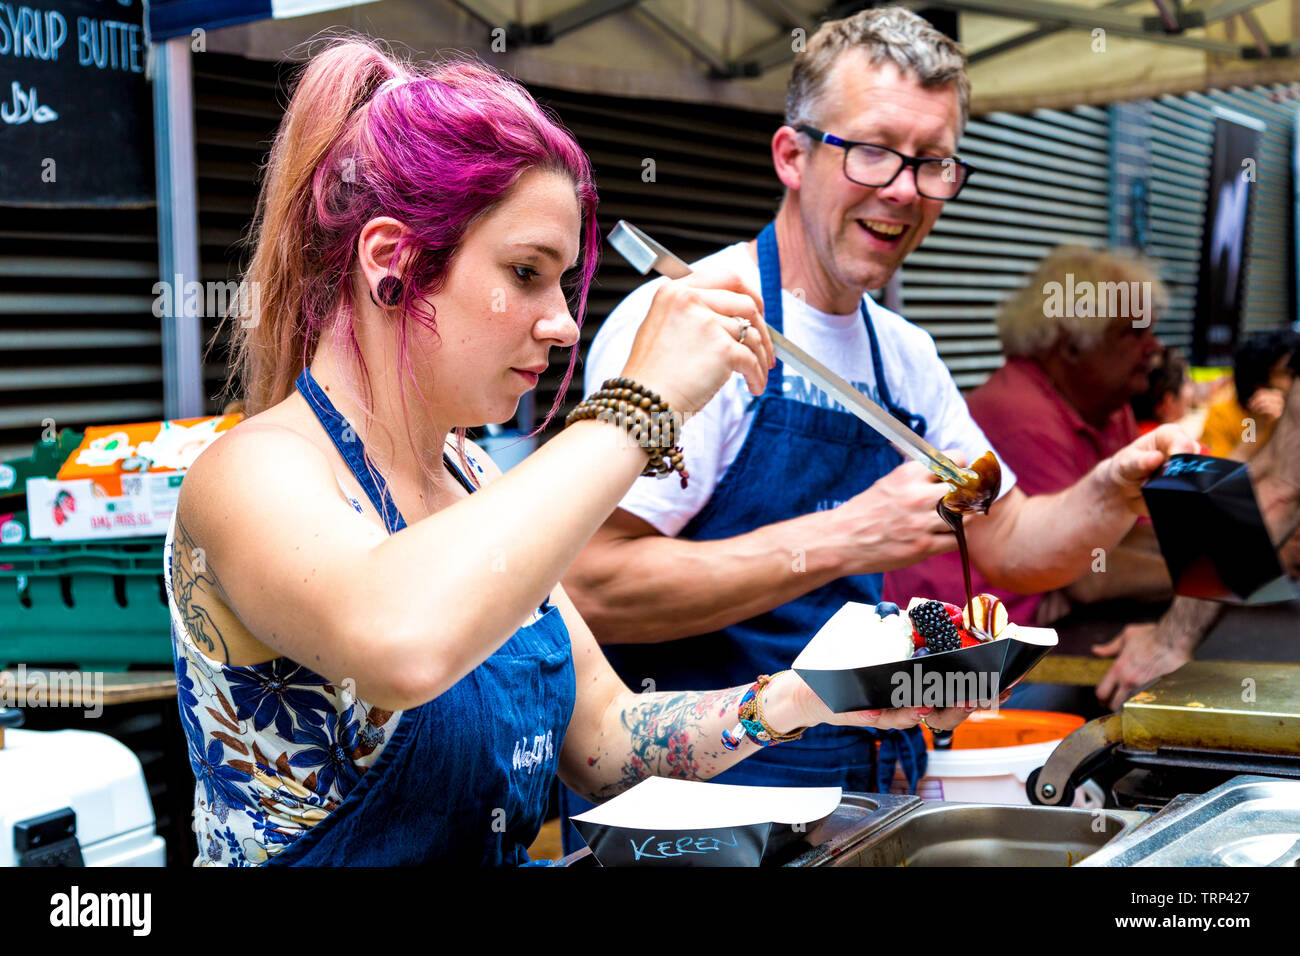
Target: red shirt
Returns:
[1048, 445]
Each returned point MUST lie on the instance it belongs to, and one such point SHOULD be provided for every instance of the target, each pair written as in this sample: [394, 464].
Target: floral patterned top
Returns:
[275, 747]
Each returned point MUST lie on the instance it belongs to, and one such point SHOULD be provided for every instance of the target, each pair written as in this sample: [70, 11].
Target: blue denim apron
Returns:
[796, 459]
[464, 778]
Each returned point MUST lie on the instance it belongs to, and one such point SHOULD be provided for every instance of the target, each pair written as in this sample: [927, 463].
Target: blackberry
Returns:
[932, 622]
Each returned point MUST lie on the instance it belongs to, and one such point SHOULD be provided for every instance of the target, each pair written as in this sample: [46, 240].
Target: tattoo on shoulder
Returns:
[195, 586]
[666, 737]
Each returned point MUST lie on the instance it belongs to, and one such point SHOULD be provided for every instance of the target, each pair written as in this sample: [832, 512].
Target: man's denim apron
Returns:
[796, 459]
[464, 778]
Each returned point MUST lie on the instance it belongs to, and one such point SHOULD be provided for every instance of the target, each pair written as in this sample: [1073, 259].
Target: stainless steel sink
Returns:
[956, 834]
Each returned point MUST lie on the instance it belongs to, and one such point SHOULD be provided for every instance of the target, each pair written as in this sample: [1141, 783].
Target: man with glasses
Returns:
[794, 505]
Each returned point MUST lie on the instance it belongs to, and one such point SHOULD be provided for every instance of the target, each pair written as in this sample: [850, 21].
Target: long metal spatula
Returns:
[646, 256]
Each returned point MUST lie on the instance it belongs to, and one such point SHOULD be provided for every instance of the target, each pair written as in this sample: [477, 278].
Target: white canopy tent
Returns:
[1024, 53]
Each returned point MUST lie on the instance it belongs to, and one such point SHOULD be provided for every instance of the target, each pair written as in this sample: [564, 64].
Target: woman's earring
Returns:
[390, 291]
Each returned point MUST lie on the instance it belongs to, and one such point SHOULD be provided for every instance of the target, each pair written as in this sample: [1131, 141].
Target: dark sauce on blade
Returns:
[978, 493]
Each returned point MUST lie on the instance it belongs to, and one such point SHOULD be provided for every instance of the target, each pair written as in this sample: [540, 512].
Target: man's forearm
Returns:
[655, 588]
[1275, 472]
[1134, 568]
[1046, 542]
[1187, 622]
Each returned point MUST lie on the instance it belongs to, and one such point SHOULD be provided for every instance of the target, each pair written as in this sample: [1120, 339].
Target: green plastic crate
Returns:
[98, 604]
[14, 528]
[46, 459]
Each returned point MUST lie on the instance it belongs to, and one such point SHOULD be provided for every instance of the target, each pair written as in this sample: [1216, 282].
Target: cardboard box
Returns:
[122, 480]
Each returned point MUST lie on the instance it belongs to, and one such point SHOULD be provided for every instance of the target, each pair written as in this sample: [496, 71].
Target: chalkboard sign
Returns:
[76, 116]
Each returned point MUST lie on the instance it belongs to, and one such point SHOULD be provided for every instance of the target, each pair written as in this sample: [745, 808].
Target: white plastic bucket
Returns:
[984, 775]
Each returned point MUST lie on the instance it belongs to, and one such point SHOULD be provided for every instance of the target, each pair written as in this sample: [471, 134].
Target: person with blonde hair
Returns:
[1079, 339]
[375, 661]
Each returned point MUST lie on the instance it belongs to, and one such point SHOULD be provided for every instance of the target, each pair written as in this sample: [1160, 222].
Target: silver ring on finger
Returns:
[745, 326]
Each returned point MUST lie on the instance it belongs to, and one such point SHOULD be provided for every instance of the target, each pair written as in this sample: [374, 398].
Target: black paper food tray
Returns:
[1211, 532]
[626, 846]
[1004, 662]
[703, 824]
[754, 844]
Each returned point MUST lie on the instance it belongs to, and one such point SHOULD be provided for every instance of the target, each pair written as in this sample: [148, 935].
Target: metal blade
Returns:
[838, 388]
[646, 255]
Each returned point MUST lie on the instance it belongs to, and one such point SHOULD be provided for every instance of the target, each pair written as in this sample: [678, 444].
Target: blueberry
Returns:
[921, 651]
[886, 608]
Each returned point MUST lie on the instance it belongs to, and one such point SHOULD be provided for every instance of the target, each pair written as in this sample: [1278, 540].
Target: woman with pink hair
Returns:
[376, 662]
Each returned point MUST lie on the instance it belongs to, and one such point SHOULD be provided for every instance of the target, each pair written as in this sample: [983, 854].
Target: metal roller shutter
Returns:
[1178, 144]
[80, 342]
[1041, 181]
[1179, 138]
[238, 103]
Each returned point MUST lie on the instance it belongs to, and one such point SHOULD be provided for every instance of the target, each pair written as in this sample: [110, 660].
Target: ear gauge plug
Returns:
[390, 291]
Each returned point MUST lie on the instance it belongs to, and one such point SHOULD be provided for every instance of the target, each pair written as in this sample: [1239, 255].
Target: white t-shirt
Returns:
[918, 381]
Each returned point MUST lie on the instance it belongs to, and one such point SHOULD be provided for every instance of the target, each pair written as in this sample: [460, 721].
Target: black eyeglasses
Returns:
[870, 164]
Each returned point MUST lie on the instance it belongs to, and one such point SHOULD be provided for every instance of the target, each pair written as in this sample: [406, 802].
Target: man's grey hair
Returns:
[886, 35]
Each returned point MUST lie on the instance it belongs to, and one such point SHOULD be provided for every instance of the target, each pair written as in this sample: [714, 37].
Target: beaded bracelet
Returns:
[752, 724]
[648, 420]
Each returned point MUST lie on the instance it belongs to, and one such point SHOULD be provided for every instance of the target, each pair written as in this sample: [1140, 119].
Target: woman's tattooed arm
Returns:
[670, 734]
[196, 589]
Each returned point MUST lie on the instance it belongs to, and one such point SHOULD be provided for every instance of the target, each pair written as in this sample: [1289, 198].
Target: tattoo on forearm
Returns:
[666, 736]
[192, 584]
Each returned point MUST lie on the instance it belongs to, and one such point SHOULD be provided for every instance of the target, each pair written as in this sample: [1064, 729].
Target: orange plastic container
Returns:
[1009, 728]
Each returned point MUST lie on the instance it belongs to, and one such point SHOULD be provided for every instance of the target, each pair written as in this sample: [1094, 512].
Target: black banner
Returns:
[76, 118]
[1223, 243]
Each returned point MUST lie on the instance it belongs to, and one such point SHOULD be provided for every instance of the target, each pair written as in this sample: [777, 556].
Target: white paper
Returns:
[844, 642]
[664, 803]
[1042, 636]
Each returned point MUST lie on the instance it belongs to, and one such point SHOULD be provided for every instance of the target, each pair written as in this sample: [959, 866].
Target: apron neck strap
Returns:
[349, 446]
[911, 420]
[769, 274]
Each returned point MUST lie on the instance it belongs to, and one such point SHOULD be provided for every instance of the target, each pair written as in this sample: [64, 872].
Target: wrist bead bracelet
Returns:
[752, 724]
[648, 420]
